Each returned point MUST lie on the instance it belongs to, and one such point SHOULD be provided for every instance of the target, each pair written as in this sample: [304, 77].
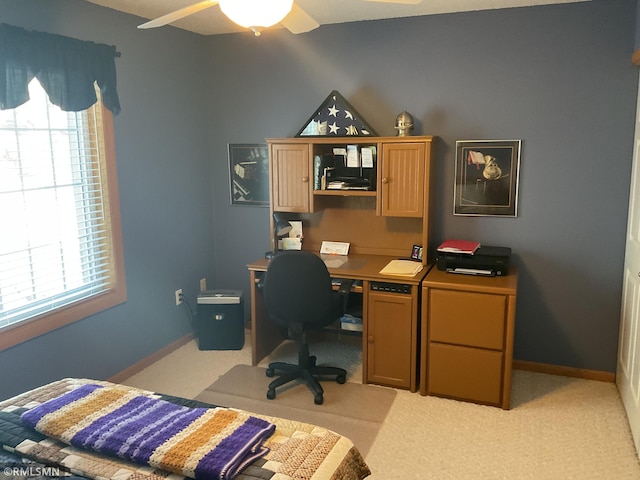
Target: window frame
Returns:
[44, 323]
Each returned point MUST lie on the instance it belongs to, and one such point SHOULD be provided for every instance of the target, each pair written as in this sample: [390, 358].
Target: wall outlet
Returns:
[203, 284]
[178, 297]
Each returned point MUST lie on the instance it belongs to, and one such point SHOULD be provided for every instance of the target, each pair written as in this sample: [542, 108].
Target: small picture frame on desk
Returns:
[416, 253]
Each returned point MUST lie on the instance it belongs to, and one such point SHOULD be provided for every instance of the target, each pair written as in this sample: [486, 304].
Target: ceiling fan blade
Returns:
[178, 14]
[299, 21]
[404, 2]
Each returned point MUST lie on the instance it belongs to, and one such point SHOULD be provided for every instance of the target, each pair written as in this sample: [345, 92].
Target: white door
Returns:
[628, 371]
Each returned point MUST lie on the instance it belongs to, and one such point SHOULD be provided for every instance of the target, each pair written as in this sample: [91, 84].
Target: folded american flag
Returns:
[201, 443]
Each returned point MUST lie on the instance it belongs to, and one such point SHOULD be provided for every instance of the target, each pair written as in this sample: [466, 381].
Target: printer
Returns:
[487, 261]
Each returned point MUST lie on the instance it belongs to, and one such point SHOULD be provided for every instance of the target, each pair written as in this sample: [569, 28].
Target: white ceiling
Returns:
[212, 21]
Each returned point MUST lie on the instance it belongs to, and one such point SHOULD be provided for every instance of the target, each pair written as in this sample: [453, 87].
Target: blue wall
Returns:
[557, 77]
[637, 37]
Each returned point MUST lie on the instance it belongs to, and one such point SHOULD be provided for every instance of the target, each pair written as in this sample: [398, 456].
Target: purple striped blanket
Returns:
[201, 443]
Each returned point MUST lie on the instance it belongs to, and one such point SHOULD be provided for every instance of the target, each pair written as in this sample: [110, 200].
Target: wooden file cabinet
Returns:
[467, 336]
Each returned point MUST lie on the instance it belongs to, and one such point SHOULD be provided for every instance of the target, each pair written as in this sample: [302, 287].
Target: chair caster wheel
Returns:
[341, 379]
[271, 394]
[270, 372]
[318, 399]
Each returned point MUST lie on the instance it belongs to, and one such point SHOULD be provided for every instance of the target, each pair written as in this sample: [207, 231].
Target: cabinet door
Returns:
[402, 180]
[289, 172]
[390, 352]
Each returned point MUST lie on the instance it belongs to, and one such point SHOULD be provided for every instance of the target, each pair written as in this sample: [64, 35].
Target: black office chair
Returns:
[298, 295]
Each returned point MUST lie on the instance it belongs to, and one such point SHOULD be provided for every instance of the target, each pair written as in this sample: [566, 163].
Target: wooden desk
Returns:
[390, 319]
[467, 336]
[380, 224]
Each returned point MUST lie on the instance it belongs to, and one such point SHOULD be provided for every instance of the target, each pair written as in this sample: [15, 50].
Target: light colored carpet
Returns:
[559, 428]
[354, 410]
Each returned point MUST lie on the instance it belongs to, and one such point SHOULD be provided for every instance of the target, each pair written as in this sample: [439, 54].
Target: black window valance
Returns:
[65, 67]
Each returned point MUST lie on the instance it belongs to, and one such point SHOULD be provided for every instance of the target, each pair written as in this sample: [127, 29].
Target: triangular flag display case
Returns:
[335, 117]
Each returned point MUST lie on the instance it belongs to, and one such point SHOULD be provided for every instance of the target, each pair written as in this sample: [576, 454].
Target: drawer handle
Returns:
[305, 179]
[385, 180]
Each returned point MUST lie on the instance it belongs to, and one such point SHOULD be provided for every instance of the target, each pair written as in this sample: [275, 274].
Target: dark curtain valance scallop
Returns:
[65, 67]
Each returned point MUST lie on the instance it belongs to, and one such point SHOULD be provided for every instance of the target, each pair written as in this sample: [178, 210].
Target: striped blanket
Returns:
[200, 443]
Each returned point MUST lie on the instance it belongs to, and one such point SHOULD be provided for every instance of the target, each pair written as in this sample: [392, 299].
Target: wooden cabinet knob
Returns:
[305, 179]
[370, 339]
[385, 180]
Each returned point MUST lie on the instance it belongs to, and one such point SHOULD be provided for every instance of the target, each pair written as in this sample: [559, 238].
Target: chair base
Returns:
[307, 371]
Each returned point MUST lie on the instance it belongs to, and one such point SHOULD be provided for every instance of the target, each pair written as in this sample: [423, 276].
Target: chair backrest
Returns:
[297, 289]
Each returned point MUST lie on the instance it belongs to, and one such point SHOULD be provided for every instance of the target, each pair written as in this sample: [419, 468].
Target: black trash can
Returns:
[220, 320]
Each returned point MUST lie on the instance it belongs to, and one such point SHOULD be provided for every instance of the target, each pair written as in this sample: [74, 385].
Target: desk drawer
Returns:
[465, 373]
[465, 318]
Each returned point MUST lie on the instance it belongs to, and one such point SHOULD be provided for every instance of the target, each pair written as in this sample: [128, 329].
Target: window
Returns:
[60, 247]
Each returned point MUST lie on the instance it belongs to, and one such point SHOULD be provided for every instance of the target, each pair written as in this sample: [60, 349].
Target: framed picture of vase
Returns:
[486, 178]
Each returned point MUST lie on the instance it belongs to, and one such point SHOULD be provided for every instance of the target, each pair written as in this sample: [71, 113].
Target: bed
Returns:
[271, 448]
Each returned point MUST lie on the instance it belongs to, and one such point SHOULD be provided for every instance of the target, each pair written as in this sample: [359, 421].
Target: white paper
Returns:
[367, 157]
[340, 151]
[353, 159]
[334, 248]
[290, 243]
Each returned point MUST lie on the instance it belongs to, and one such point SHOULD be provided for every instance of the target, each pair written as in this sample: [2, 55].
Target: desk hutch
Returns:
[387, 221]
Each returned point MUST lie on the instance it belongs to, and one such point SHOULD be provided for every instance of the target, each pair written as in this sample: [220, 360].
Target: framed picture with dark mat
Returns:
[486, 178]
[249, 174]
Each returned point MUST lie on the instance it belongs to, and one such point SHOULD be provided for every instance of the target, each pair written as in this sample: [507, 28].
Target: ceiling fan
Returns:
[256, 14]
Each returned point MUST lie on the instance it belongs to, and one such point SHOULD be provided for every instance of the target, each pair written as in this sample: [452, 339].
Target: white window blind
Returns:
[55, 245]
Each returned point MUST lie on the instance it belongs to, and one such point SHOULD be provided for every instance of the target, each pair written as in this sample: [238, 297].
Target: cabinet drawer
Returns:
[466, 318]
[465, 373]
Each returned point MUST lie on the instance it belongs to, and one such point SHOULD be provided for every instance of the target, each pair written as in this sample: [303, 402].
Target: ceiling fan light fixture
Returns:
[256, 14]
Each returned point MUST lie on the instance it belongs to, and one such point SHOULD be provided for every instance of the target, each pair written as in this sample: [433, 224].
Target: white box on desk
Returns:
[349, 322]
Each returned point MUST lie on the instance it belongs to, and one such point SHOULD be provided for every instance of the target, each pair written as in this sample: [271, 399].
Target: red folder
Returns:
[459, 246]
